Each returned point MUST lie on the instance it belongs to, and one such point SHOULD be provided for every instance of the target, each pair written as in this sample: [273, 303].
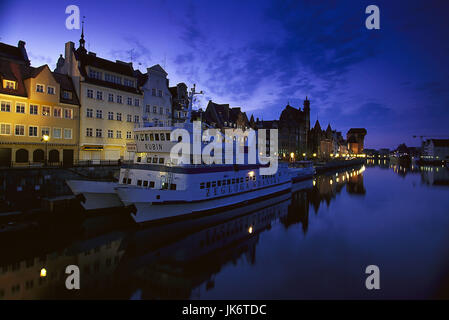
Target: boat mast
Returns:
[190, 97]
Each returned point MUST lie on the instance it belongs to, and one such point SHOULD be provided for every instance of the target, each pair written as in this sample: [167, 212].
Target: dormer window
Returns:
[95, 74]
[7, 84]
[50, 90]
[40, 88]
[67, 95]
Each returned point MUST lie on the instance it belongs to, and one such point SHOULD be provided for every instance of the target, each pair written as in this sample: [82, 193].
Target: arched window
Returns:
[22, 156]
[38, 155]
[53, 156]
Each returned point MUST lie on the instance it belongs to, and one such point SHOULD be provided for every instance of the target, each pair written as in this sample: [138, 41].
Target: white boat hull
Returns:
[97, 194]
[147, 211]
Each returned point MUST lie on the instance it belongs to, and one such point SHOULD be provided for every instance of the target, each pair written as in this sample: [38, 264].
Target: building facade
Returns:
[436, 149]
[157, 105]
[111, 102]
[39, 114]
[180, 102]
[355, 138]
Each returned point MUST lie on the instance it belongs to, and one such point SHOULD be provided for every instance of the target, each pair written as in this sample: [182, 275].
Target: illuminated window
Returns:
[45, 131]
[5, 128]
[9, 84]
[20, 107]
[46, 111]
[5, 106]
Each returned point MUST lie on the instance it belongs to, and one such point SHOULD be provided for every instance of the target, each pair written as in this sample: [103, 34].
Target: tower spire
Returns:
[82, 41]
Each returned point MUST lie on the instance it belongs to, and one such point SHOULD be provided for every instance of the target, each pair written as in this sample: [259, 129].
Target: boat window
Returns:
[247, 179]
[156, 136]
[202, 185]
[173, 186]
[207, 184]
[151, 137]
[139, 159]
[161, 160]
[124, 181]
[241, 180]
[145, 183]
[148, 160]
[139, 182]
[224, 182]
[168, 136]
[229, 181]
[141, 137]
[214, 184]
[155, 160]
[162, 137]
[151, 184]
[129, 181]
[146, 136]
[233, 181]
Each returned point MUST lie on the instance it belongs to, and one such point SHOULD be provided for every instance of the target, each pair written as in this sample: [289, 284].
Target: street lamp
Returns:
[45, 138]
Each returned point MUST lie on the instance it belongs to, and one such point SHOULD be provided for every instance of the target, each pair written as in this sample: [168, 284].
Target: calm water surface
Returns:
[314, 243]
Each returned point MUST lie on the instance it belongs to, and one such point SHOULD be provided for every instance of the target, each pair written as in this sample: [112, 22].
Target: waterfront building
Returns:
[111, 102]
[39, 114]
[436, 149]
[157, 105]
[294, 126]
[223, 117]
[355, 138]
[180, 102]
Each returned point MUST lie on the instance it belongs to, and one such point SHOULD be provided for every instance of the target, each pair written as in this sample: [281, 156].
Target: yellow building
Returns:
[111, 102]
[39, 113]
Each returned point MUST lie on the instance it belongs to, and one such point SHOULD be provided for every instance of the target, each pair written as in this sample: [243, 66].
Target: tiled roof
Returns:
[13, 71]
[13, 53]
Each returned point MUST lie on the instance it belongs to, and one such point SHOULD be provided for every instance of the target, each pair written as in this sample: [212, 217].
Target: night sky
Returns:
[260, 55]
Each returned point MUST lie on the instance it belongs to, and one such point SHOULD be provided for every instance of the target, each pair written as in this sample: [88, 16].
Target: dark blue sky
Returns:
[262, 54]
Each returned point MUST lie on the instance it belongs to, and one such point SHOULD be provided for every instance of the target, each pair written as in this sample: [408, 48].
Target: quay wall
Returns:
[23, 188]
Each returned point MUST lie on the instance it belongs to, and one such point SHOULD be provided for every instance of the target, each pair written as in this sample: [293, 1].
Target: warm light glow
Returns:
[331, 181]
[45, 137]
[303, 154]
[314, 154]
[250, 229]
[314, 182]
[251, 173]
[43, 273]
[332, 154]
[292, 155]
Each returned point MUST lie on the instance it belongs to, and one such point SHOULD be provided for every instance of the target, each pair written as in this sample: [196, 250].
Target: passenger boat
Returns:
[306, 170]
[161, 188]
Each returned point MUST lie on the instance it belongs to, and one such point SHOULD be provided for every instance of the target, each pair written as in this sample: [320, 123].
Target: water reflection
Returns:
[175, 261]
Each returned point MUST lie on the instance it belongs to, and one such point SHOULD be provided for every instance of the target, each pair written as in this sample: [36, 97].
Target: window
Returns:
[136, 119]
[57, 133]
[98, 133]
[110, 97]
[159, 93]
[89, 132]
[154, 109]
[46, 112]
[57, 112]
[90, 93]
[50, 90]
[161, 110]
[20, 130]
[67, 95]
[110, 115]
[67, 133]
[147, 108]
[112, 78]
[202, 185]
[167, 136]
[153, 92]
[7, 84]
[129, 118]
[167, 111]
[32, 131]
[39, 88]
[20, 107]
[99, 114]
[99, 95]
[161, 160]
[128, 135]
[89, 113]
[145, 183]
[119, 99]
[6, 106]
[128, 83]
[45, 131]
[136, 102]
[110, 134]
[119, 134]
[5, 129]
[68, 113]
[130, 101]
[33, 109]
[95, 74]
[151, 184]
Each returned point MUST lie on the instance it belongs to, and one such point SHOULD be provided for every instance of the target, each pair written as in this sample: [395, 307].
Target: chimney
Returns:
[21, 46]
